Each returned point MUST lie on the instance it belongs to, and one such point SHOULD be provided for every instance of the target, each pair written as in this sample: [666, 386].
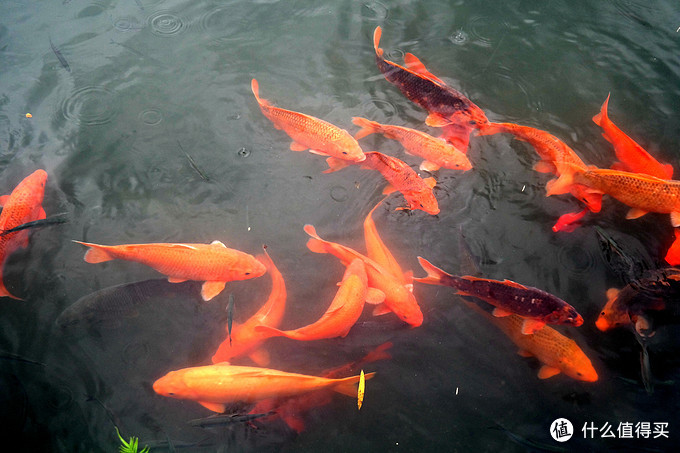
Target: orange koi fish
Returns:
[291, 410]
[398, 298]
[215, 386]
[343, 312]
[568, 222]
[437, 152]
[550, 149]
[535, 307]
[643, 193]
[213, 263]
[378, 251]
[416, 190]
[632, 157]
[446, 106]
[23, 205]
[245, 340]
[557, 353]
[308, 132]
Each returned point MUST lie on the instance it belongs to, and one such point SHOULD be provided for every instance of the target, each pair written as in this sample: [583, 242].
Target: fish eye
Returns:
[579, 373]
[247, 273]
[344, 152]
[602, 313]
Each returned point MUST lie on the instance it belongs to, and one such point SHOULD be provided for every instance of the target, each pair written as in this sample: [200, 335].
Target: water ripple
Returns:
[374, 11]
[89, 106]
[369, 107]
[575, 259]
[126, 23]
[151, 117]
[166, 23]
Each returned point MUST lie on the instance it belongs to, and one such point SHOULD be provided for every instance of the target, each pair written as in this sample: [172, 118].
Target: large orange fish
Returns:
[215, 386]
[341, 315]
[398, 297]
[557, 353]
[550, 149]
[23, 205]
[416, 190]
[213, 263]
[447, 107]
[291, 410]
[308, 132]
[535, 306]
[245, 341]
[437, 152]
[643, 193]
[632, 157]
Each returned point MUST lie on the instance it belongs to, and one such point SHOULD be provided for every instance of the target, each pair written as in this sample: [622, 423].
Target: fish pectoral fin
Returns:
[545, 166]
[295, 146]
[319, 153]
[497, 312]
[335, 164]
[211, 289]
[381, 309]
[3, 200]
[426, 165]
[374, 296]
[548, 371]
[431, 182]
[634, 213]
[388, 189]
[260, 357]
[675, 219]
[643, 327]
[215, 407]
[524, 353]
[530, 326]
[176, 279]
[436, 120]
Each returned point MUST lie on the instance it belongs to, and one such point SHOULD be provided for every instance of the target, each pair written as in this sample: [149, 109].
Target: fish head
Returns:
[253, 268]
[577, 365]
[425, 201]
[173, 385]
[612, 314]
[565, 315]
[456, 160]
[410, 312]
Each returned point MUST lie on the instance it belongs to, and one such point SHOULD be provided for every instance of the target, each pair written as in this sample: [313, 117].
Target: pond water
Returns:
[143, 117]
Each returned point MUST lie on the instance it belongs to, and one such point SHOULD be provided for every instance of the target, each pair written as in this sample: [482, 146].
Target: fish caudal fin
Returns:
[414, 64]
[4, 292]
[601, 118]
[368, 127]
[348, 386]
[376, 41]
[315, 244]
[96, 253]
[434, 274]
[491, 129]
[255, 86]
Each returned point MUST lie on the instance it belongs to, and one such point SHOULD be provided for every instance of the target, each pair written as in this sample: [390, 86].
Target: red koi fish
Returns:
[343, 312]
[557, 353]
[632, 157]
[416, 190]
[245, 340]
[568, 222]
[643, 193]
[308, 132]
[437, 152]
[215, 386]
[535, 307]
[291, 410]
[398, 298]
[23, 205]
[213, 263]
[446, 106]
[673, 254]
[550, 149]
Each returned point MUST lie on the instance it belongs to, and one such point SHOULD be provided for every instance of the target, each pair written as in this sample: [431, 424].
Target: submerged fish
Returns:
[23, 205]
[308, 132]
[213, 263]
[632, 157]
[54, 220]
[535, 307]
[214, 386]
[437, 152]
[59, 55]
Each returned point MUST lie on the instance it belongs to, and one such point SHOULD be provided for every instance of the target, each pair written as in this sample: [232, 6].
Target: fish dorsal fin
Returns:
[183, 246]
[215, 407]
[436, 120]
[612, 294]
[531, 326]
[547, 371]
[218, 243]
[374, 296]
[414, 64]
[513, 284]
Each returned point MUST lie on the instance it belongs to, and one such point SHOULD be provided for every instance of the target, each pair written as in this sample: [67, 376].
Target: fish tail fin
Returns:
[368, 127]
[434, 274]
[492, 128]
[376, 41]
[96, 253]
[601, 118]
[265, 259]
[347, 386]
[566, 179]
[255, 86]
[315, 244]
